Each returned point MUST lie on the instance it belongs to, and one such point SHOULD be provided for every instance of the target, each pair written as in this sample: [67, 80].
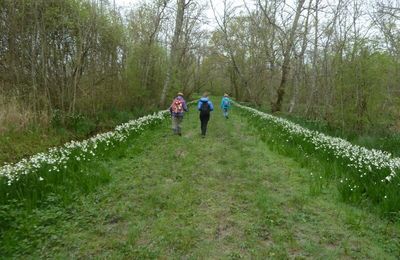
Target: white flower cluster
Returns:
[359, 158]
[58, 158]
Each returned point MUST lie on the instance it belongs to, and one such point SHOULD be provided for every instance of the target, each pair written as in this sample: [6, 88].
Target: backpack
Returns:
[177, 106]
[205, 108]
[225, 103]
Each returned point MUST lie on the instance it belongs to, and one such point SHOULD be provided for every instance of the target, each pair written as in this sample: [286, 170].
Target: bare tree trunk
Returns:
[149, 58]
[296, 83]
[277, 105]
[300, 64]
[269, 42]
[311, 99]
[174, 47]
[44, 59]
[233, 80]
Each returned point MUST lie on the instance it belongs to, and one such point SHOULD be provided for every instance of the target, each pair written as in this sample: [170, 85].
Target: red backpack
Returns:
[177, 106]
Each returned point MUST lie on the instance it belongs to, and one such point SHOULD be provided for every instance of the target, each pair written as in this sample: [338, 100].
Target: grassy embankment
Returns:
[16, 143]
[225, 196]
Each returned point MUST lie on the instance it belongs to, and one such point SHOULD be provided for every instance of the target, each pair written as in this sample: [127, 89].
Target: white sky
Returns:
[128, 3]
[218, 4]
[125, 3]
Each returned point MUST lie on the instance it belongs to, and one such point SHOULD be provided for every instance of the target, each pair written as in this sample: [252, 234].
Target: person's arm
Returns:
[185, 106]
[211, 105]
[198, 105]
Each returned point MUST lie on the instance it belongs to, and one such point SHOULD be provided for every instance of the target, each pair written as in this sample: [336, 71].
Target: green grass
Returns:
[223, 197]
[359, 184]
[16, 144]
[374, 136]
[377, 137]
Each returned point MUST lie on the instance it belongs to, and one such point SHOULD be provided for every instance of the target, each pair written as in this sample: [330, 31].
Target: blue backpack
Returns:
[225, 103]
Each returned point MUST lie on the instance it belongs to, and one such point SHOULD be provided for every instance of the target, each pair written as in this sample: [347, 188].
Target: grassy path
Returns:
[225, 196]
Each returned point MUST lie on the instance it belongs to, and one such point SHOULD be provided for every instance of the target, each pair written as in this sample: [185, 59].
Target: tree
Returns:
[287, 50]
[173, 56]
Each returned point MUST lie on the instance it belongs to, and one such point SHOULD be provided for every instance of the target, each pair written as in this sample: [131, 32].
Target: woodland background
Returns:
[70, 68]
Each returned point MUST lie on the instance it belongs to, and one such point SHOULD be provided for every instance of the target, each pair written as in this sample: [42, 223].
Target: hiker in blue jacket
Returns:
[205, 106]
[225, 105]
[177, 109]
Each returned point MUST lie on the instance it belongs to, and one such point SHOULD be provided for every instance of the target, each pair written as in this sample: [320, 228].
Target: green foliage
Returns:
[214, 76]
[63, 170]
[79, 47]
[356, 182]
[382, 138]
[146, 70]
[225, 196]
[80, 125]
[18, 144]
[362, 81]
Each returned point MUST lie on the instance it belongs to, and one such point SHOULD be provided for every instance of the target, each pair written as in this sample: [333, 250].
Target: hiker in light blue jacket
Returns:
[225, 105]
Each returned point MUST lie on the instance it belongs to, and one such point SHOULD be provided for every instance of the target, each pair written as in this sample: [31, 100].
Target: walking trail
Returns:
[222, 197]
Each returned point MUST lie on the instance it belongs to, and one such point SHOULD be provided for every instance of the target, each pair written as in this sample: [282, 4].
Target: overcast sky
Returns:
[218, 5]
[125, 3]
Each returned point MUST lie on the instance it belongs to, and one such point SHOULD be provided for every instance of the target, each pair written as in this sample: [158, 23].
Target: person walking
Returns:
[205, 106]
[225, 105]
[177, 109]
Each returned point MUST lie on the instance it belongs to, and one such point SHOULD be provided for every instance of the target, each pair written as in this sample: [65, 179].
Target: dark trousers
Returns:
[204, 121]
